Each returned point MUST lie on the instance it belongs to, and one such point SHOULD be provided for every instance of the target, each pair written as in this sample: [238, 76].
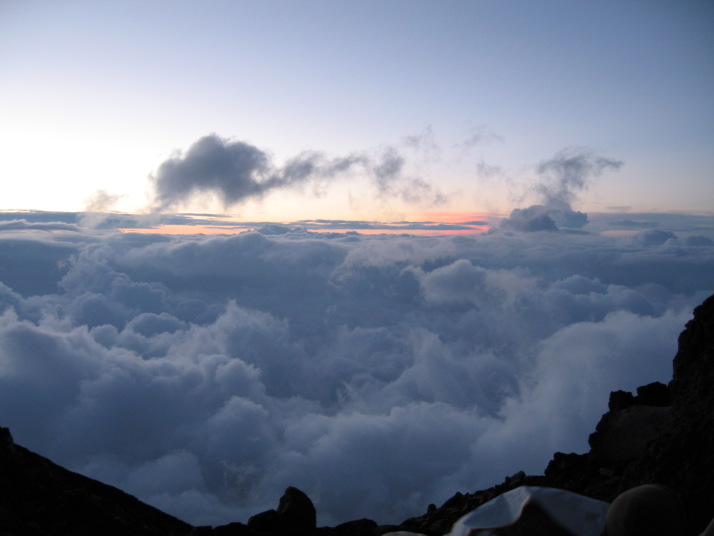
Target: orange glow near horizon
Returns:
[415, 232]
[170, 229]
[214, 231]
[313, 226]
[455, 217]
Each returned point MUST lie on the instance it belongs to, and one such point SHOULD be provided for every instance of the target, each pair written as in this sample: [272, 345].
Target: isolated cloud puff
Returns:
[207, 374]
[570, 171]
[559, 181]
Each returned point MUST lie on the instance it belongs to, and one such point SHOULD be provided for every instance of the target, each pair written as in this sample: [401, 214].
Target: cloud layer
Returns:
[378, 374]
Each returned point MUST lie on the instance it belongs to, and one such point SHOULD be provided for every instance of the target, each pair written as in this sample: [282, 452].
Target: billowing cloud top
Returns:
[560, 179]
[207, 374]
[235, 169]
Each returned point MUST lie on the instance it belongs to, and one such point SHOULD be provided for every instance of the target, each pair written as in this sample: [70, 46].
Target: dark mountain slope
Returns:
[41, 498]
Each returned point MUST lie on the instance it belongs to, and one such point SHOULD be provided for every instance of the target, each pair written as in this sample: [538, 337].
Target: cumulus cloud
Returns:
[207, 374]
[235, 171]
[560, 180]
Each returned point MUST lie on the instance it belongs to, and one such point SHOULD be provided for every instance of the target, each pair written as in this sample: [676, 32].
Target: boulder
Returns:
[297, 510]
[295, 515]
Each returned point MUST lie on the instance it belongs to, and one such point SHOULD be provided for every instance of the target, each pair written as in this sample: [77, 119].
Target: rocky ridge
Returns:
[662, 434]
[41, 498]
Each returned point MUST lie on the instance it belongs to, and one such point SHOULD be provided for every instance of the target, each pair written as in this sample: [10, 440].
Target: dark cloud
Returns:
[570, 172]
[531, 219]
[234, 171]
[560, 180]
[388, 167]
[551, 217]
[207, 374]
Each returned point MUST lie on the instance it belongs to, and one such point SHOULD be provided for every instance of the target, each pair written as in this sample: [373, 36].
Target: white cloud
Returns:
[207, 374]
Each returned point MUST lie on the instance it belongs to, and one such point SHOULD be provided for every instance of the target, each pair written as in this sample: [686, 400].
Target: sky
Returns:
[468, 97]
[379, 251]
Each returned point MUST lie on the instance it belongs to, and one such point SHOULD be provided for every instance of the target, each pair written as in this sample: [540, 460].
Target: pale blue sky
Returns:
[95, 95]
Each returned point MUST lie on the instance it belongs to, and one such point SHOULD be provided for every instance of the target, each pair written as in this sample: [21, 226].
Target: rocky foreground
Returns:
[662, 434]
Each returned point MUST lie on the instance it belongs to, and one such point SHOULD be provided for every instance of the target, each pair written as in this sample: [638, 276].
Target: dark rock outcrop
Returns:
[624, 432]
[295, 515]
[671, 445]
[682, 457]
[663, 435]
[38, 497]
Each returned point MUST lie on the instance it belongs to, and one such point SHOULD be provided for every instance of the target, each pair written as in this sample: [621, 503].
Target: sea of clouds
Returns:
[376, 373]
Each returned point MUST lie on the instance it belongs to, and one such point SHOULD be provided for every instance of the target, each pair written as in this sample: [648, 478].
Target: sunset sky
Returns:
[410, 246]
[470, 97]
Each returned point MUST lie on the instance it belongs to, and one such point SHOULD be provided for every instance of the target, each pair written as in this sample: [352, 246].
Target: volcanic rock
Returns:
[38, 497]
[295, 515]
[664, 434]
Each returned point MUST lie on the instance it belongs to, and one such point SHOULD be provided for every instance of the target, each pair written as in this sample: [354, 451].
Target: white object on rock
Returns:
[578, 514]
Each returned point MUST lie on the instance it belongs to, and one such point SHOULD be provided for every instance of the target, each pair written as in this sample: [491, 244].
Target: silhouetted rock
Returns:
[358, 527]
[682, 457]
[653, 394]
[620, 400]
[295, 515]
[664, 434]
[232, 529]
[38, 497]
[623, 434]
[297, 510]
[268, 521]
